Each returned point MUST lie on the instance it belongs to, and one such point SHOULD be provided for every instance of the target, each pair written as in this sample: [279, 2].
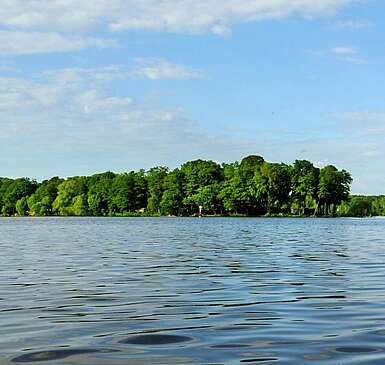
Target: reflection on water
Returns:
[192, 291]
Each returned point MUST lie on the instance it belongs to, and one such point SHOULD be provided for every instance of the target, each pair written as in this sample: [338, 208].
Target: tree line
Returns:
[252, 187]
[363, 206]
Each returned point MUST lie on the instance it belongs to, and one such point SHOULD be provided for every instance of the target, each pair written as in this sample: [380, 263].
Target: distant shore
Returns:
[252, 187]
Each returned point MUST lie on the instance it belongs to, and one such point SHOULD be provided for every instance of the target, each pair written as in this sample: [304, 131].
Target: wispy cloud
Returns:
[354, 23]
[21, 43]
[194, 16]
[7, 65]
[100, 129]
[159, 69]
[41, 26]
[344, 50]
[78, 106]
[362, 117]
[357, 60]
[350, 55]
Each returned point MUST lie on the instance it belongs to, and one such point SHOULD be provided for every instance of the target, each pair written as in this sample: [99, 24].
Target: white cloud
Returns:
[194, 16]
[354, 24]
[72, 114]
[349, 55]
[76, 104]
[344, 50]
[357, 60]
[7, 65]
[366, 121]
[217, 16]
[85, 75]
[17, 43]
[75, 89]
[158, 69]
[39, 26]
[92, 100]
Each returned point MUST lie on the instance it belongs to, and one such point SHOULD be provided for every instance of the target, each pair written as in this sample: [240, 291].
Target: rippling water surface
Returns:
[192, 291]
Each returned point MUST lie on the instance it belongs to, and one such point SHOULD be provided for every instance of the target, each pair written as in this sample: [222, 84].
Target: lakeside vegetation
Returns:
[252, 187]
[363, 206]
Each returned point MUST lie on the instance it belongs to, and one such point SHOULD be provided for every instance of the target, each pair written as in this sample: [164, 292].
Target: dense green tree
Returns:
[40, 203]
[208, 198]
[156, 185]
[356, 206]
[273, 186]
[68, 193]
[240, 190]
[128, 192]
[80, 205]
[17, 189]
[172, 198]
[22, 207]
[333, 189]
[378, 206]
[99, 193]
[4, 184]
[197, 175]
[305, 179]
[250, 187]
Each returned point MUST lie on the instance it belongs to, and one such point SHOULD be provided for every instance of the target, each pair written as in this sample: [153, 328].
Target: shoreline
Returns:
[197, 217]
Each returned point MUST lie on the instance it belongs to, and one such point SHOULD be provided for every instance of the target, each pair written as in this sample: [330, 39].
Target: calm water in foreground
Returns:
[192, 291]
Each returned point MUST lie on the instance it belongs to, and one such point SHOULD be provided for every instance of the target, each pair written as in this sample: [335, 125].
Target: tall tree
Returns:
[70, 192]
[172, 199]
[278, 178]
[334, 188]
[17, 189]
[40, 203]
[305, 178]
[197, 175]
[99, 194]
[156, 185]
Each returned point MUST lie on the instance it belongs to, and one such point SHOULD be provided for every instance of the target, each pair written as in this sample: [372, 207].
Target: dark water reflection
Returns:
[192, 291]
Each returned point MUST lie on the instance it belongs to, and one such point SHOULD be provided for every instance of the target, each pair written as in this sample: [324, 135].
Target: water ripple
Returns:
[192, 291]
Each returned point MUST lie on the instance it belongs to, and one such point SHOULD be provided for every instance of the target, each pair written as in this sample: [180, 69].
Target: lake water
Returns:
[192, 291]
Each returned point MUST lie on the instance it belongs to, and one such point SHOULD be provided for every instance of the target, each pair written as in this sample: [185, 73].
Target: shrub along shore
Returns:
[252, 187]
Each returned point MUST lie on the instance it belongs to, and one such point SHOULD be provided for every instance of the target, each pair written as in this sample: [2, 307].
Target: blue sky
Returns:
[126, 84]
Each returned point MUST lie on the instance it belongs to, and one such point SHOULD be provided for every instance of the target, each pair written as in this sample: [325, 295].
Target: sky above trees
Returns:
[124, 84]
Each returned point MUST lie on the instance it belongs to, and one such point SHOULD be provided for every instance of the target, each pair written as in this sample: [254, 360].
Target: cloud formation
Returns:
[344, 50]
[159, 69]
[168, 15]
[73, 112]
[350, 55]
[39, 26]
[354, 24]
[22, 43]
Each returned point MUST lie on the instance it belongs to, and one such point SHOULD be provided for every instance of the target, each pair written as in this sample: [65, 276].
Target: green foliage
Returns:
[67, 196]
[22, 207]
[128, 193]
[40, 203]
[278, 180]
[13, 191]
[305, 180]
[363, 206]
[156, 185]
[333, 189]
[243, 187]
[196, 176]
[172, 198]
[251, 187]
[208, 198]
[98, 196]
[378, 206]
